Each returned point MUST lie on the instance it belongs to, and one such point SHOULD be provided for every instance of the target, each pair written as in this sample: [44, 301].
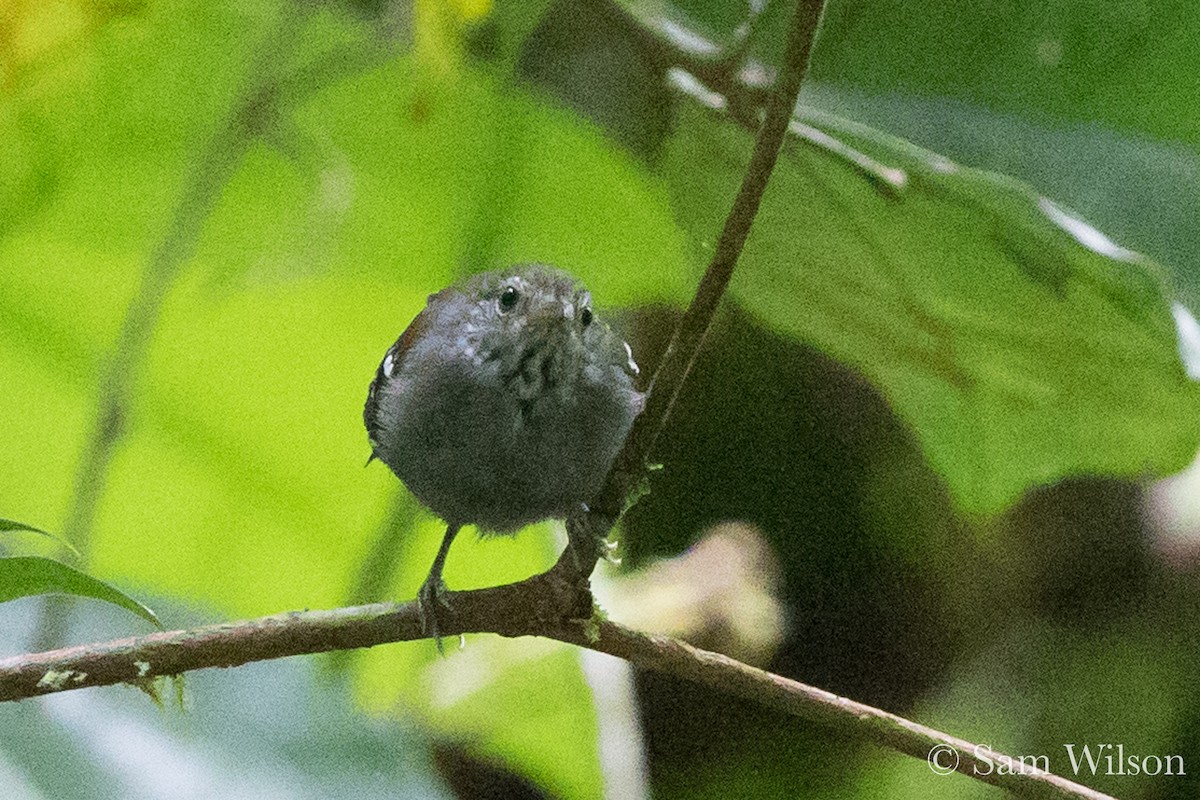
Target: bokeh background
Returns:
[919, 463]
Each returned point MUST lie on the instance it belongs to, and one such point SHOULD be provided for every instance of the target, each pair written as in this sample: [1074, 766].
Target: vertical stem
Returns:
[378, 569]
[250, 114]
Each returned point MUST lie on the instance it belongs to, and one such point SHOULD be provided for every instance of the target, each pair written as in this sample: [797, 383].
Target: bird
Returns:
[503, 403]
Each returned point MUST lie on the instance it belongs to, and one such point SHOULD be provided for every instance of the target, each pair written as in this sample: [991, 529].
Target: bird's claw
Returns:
[587, 540]
[430, 599]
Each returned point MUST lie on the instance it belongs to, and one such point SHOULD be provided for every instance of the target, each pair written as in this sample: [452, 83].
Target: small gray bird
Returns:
[503, 403]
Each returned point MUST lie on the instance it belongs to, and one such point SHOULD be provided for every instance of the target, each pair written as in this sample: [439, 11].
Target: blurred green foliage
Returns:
[1003, 345]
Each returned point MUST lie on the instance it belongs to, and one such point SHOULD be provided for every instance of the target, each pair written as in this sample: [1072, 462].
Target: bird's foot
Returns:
[431, 599]
[588, 541]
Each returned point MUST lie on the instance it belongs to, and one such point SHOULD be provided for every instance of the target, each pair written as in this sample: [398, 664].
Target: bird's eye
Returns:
[585, 316]
[509, 298]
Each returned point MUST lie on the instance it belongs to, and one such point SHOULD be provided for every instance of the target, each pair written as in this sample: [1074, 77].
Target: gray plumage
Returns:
[502, 416]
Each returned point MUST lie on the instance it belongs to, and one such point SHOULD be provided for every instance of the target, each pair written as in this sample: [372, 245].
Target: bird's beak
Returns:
[551, 314]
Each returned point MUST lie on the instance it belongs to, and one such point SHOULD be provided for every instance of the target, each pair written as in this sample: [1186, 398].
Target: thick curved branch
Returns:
[531, 607]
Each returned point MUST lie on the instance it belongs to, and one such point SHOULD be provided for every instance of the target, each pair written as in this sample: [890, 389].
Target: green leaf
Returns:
[12, 525]
[1018, 343]
[1088, 61]
[25, 576]
[8, 525]
[1148, 197]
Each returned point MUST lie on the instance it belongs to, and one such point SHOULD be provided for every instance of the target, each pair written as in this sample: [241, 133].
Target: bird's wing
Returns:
[389, 366]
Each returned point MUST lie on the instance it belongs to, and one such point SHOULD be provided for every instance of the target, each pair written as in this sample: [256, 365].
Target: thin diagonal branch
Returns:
[201, 189]
[531, 607]
[208, 176]
[630, 465]
[250, 117]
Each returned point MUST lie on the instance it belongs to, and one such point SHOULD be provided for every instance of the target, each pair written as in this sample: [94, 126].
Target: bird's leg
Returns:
[433, 591]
